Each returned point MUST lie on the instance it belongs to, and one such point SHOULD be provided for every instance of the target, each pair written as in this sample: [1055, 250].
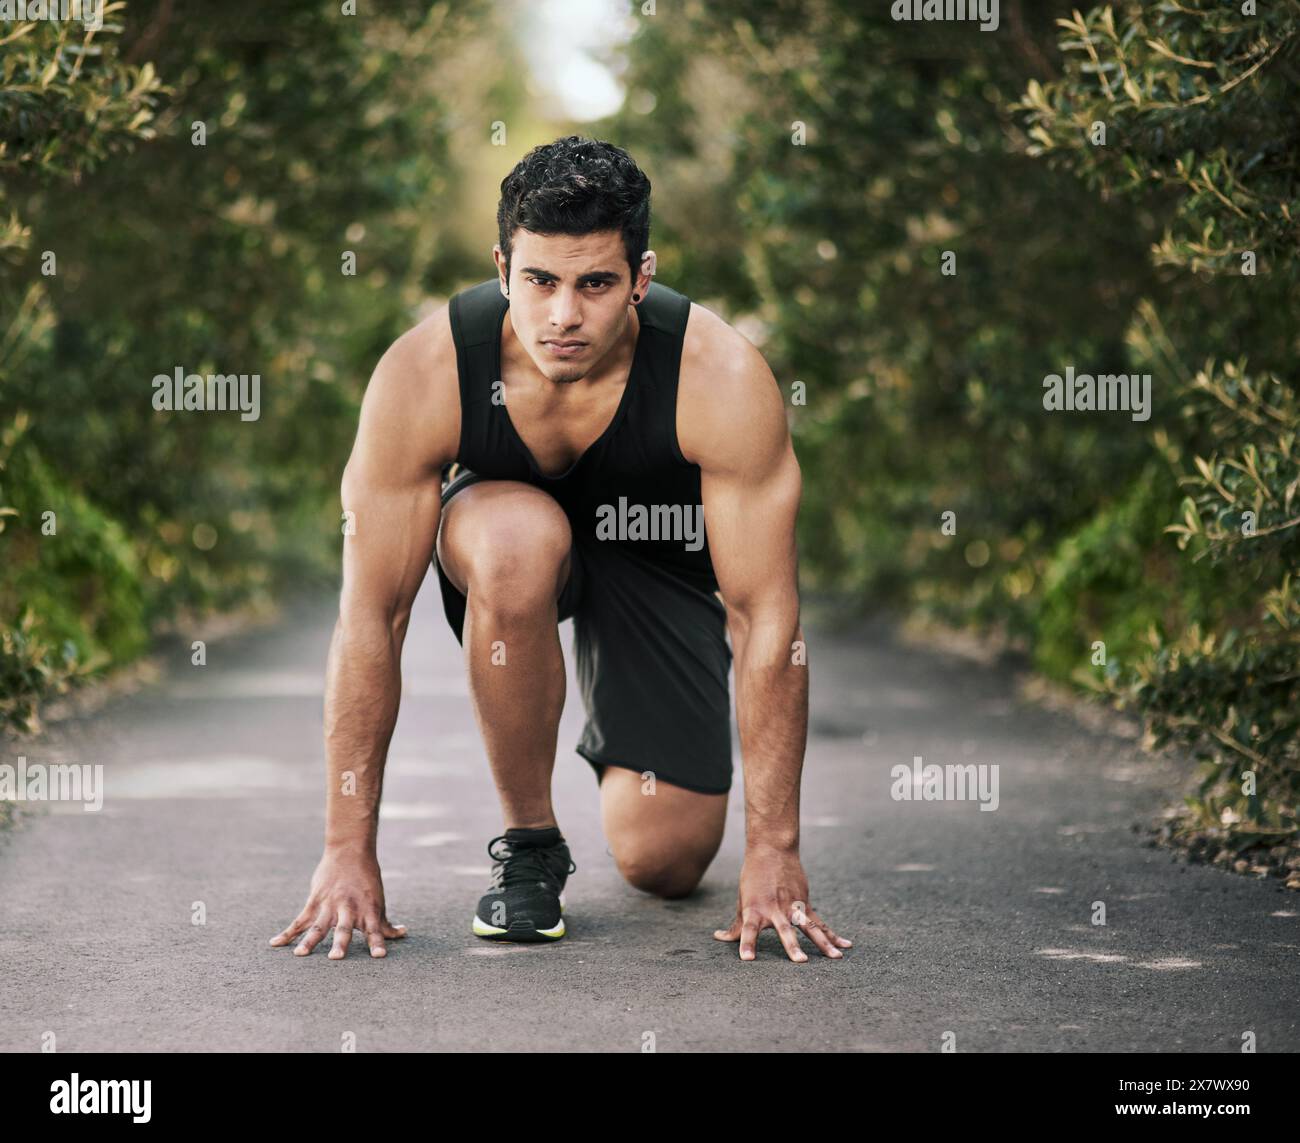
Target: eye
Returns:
[600, 284]
[539, 281]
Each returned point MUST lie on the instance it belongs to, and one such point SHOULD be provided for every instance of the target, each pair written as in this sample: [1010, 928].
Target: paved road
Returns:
[964, 921]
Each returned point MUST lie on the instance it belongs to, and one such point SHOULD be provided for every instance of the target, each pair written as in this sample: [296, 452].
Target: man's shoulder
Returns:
[417, 376]
[711, 343]
[424, 354]
[428, 348]
[726, 390]
[718, 361]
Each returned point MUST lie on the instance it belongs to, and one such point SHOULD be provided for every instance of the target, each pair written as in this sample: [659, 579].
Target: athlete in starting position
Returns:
[580, 417]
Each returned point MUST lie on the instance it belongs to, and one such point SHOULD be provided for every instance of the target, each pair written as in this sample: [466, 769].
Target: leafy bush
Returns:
[1200, 103]
[212, 214]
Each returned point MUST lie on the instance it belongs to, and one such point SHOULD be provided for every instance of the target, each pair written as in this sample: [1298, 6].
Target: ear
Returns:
[641, 286]
[503, 277]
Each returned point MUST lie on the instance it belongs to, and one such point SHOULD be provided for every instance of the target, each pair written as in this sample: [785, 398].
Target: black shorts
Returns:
[652, 662]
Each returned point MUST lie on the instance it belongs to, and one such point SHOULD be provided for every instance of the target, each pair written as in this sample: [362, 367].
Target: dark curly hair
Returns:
[576, 186]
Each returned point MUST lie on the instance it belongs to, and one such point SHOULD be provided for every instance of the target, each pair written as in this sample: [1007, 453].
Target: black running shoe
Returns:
[526, 899]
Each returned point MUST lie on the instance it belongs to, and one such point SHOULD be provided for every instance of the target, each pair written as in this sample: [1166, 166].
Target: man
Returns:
[593, 429]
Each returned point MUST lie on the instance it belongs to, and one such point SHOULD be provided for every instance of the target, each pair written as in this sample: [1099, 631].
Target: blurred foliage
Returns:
[67, 103]
[179, 191]
[1201, 102]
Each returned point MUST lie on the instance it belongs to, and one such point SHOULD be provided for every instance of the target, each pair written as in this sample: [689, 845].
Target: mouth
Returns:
[565, 348]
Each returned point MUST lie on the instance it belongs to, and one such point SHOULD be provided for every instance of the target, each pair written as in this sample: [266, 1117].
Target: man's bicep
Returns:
[391, 487]
[749, 516]
[735, 427]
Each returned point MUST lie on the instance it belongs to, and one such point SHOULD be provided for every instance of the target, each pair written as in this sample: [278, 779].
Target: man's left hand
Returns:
[774, 892]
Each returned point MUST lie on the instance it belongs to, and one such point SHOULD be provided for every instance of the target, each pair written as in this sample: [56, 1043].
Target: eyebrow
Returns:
[594, 276]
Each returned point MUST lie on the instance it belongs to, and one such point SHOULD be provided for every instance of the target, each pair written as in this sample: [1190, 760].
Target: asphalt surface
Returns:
[964, 921]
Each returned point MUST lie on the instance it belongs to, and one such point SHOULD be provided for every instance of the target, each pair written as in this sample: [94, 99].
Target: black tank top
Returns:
[634, 463]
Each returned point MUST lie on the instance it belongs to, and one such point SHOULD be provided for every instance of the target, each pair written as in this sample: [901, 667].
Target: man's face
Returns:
[568, 289]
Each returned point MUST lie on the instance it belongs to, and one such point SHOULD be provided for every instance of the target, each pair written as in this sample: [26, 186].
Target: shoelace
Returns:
[527, 865]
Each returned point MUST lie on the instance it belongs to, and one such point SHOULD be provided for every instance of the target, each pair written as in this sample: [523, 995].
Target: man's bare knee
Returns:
[510, 551]
[668, 877]
[662, 844]
[519, 559]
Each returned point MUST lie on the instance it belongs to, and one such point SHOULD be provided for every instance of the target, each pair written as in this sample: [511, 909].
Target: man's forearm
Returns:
[772, 715]
[362, 692]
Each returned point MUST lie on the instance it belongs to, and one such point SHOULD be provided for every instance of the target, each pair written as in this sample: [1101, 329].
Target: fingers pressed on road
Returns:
[314, 935]
[811, 925]
[843, 942]
[377, 930]
[342, 935]
[286, 935]
[815, 931]
[789, 937]
[374, 930]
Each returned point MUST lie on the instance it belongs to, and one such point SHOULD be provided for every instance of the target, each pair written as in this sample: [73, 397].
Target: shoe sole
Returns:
[523, 934]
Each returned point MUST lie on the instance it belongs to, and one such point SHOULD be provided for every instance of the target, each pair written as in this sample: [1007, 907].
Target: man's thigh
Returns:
[661, 836]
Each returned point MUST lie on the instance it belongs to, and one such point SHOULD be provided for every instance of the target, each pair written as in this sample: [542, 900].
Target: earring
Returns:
[636, 297]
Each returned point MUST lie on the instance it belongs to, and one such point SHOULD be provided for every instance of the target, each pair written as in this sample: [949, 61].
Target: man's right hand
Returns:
[391, 497]
[347, 892]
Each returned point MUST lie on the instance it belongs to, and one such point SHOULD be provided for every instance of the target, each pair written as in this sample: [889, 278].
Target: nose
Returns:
[566, 309]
